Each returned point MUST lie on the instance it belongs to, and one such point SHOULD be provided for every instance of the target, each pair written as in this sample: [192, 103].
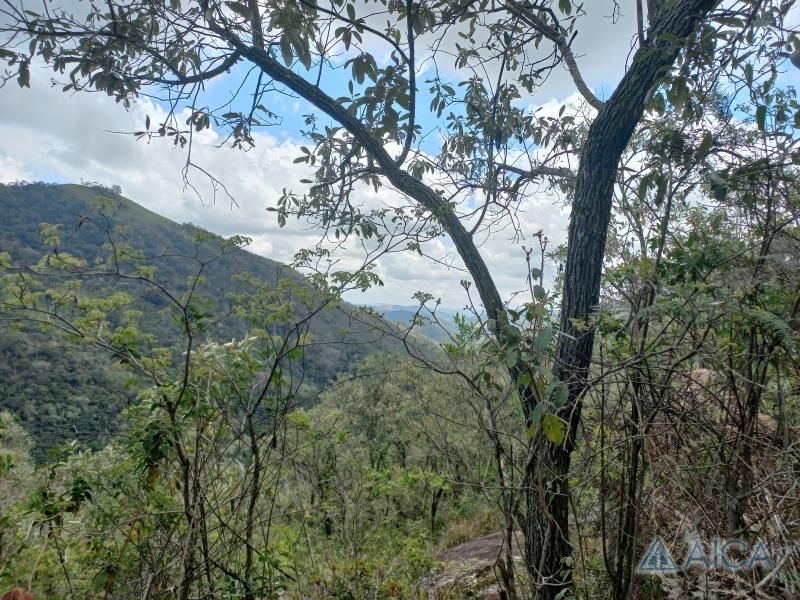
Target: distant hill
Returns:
[439, 328]
[60, 395]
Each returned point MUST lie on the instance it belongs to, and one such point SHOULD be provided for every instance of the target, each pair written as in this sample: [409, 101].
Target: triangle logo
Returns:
[657, 559]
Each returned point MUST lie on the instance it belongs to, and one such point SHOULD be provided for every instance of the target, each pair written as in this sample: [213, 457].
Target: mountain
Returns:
[439, 327]
[59, 393]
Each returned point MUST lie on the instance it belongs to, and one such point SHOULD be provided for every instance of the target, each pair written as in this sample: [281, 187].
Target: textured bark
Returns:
[547, 539]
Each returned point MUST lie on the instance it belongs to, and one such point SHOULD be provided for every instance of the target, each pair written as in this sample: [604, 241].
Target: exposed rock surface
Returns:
[469, 570]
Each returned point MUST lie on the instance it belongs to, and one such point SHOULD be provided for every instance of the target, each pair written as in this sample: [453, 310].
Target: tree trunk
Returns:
[548, 549]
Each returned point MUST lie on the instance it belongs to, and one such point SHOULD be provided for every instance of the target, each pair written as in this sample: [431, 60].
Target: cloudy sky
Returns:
[51, 136]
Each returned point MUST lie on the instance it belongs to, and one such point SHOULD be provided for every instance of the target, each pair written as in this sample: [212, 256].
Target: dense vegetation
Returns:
[232, 484]
[638, 390]
[60, 395]
[335, 492]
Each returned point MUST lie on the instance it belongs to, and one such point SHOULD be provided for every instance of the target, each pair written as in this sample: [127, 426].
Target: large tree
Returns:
[360, 64]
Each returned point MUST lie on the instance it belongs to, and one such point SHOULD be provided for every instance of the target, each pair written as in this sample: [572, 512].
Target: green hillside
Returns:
[60, 395]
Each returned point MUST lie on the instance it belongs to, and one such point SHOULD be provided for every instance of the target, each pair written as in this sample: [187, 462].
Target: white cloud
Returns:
[51, 136]
[47, 135]
[12, 169]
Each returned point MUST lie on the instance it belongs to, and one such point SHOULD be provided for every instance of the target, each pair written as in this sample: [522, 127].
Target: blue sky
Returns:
[48, 135]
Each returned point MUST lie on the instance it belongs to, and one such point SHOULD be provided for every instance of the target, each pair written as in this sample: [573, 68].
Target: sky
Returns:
[48, 135]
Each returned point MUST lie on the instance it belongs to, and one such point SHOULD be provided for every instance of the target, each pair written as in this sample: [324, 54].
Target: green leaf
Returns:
[559, 394]
[303, 54]
[554, 428]
[358, 71]
[286, 51]
[761, 117]
[24, 75]
[678, 92]
[705, 145]
[543, 339]
[539, 292]
[100, 580]
[240, 9]
[774, 325]
[536, 418]
[512, 334]
[718, 185]
[661, 189]
[565, 6]
[511, 356]
[537, 412]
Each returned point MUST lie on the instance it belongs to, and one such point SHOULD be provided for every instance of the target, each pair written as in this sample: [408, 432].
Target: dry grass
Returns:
[469, 528]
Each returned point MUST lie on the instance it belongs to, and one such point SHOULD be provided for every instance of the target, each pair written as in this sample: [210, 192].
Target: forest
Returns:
[60, 395]
[181, 418]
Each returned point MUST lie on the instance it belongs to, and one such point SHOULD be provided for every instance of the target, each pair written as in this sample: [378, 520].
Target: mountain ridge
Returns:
[55, 395]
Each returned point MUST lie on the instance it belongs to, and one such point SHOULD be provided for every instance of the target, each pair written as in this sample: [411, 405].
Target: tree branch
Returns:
[398, 177]
[555, 33]
[539, 171]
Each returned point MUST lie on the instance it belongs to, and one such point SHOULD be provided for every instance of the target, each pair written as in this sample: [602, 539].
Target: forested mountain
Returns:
[59, 394]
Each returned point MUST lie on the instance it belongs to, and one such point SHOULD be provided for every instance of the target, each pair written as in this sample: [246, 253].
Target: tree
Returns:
[208, 406]
[16, 475]
[373, 133]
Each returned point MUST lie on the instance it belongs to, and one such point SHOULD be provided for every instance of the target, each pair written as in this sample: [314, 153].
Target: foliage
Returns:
[61, 395]
[677, 308]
